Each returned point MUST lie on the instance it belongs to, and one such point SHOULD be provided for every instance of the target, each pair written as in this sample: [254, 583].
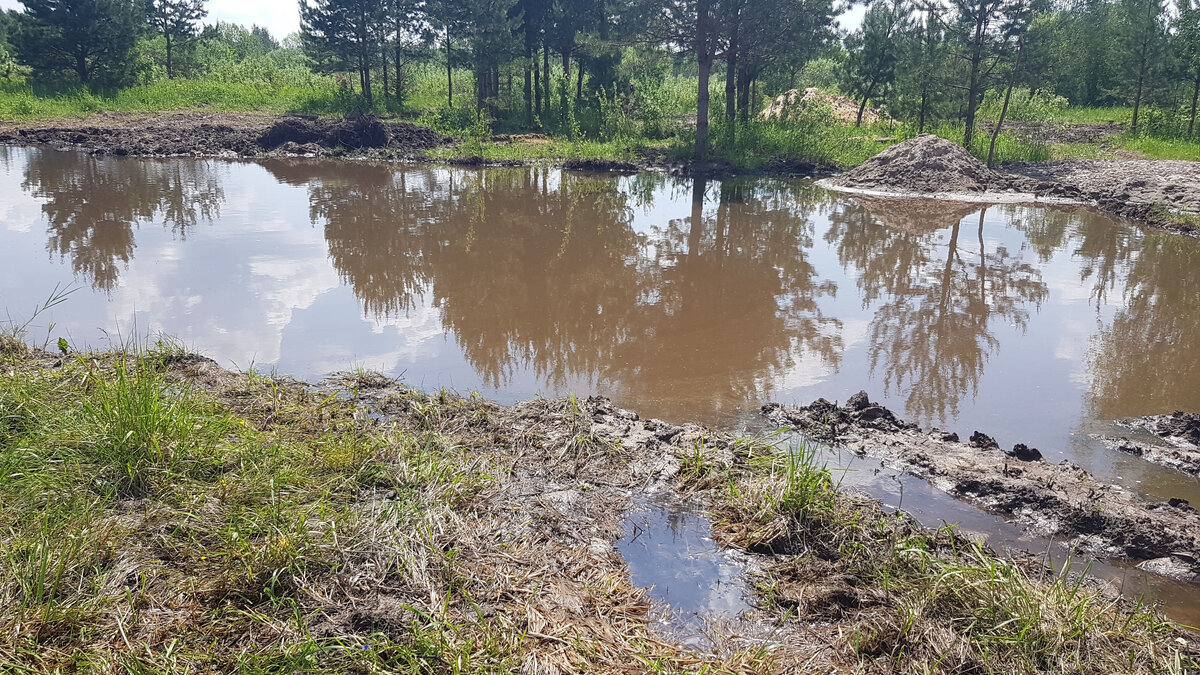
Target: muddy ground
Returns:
[1050, 500]
[1160, 193]
[1171, 440]
[228, 135]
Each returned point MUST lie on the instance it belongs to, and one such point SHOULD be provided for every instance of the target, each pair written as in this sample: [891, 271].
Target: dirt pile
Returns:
[793, 103]
[1056, 500]
[352, 134]
[215, 135]
[926, 164]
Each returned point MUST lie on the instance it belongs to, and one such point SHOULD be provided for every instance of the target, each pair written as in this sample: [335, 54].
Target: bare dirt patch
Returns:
[1055, 500]
[1142, 189]
[226, 135]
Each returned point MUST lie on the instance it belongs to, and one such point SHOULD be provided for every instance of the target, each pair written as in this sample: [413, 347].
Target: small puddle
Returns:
[698, 590]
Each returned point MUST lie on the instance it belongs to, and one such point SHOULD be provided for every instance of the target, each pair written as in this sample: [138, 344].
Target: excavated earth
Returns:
[1154, 192]
[1061, 500]
[229, 135]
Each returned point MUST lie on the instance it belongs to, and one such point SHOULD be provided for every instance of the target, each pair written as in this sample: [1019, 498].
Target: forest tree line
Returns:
[536, 60]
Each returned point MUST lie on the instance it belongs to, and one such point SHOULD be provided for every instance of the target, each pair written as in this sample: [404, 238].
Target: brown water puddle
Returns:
[686, 300]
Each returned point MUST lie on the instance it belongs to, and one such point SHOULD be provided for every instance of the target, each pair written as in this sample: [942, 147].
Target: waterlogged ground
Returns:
[686, 300]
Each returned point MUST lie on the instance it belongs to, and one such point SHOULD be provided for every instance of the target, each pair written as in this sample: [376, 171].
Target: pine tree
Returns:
[1143, 37]
[86, 37]
[870, 66]
[176, 21]
[1187, 40]
[343, 34]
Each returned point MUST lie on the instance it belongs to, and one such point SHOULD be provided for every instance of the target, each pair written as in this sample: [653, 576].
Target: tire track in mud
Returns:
[1051, 500]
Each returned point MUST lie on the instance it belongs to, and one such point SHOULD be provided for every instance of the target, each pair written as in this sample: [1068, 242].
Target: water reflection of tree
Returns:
[932, 333]
[1101, 243]
[537, 269]
[737, 301]
[1148, 360]
[93, 203]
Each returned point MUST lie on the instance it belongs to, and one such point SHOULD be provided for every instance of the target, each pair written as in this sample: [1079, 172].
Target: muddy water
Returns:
[687, 300]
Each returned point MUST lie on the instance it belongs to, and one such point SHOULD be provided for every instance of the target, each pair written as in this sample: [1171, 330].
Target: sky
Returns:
[282, 17]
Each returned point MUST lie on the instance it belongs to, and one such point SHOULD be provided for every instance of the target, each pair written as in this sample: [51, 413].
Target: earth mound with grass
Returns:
[926, 164]
[793, 103]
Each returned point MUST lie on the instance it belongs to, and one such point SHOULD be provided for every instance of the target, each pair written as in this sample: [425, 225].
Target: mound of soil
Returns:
[926, 164]
[793, 102]
[229, 135]
[352, 134]
[1057, 500]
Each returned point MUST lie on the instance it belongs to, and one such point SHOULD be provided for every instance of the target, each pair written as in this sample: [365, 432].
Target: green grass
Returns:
[1161, 148]
[911, 600]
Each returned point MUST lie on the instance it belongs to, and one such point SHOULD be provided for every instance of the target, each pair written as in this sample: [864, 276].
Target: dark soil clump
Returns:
[352, 134]
[1177, 445]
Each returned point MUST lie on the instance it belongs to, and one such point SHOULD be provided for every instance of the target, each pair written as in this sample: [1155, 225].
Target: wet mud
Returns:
[200, 135]
[1060, 501]
[1171, 440]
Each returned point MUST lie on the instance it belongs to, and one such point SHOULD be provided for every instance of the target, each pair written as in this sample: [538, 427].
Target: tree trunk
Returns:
[973, 85]
[1195, 99]
[743, 103]
[528, 87]
[862, 107]
[704, 61]
[921, 114]
[537, 85]
[1137, 99]
[1012, 80]
[449, 73]
[566, 86]
[731, 72]
[170, 69]
[578, 80]
[546, 77]
[384, 70]
[81, 68]
[399, 80]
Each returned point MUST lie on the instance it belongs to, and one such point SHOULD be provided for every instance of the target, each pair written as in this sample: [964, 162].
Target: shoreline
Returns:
[1116, 187]
[407, 526]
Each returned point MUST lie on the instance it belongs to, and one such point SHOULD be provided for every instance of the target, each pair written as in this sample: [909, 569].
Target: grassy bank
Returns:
[160, 514]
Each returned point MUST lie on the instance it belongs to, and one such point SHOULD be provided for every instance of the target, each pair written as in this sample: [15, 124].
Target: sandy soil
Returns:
[1051, 500]
[1130, 188]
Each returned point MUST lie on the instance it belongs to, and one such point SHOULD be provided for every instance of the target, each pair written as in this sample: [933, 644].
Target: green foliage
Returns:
[88, 39]
[1040, 106]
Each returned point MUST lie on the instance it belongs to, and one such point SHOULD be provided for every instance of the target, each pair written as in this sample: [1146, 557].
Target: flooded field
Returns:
[681, 299]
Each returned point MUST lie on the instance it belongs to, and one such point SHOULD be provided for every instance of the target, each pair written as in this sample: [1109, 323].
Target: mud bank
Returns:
[229, 135]
[1171, 440]
[1051, 500]
[1158, 193]
[368, 526]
